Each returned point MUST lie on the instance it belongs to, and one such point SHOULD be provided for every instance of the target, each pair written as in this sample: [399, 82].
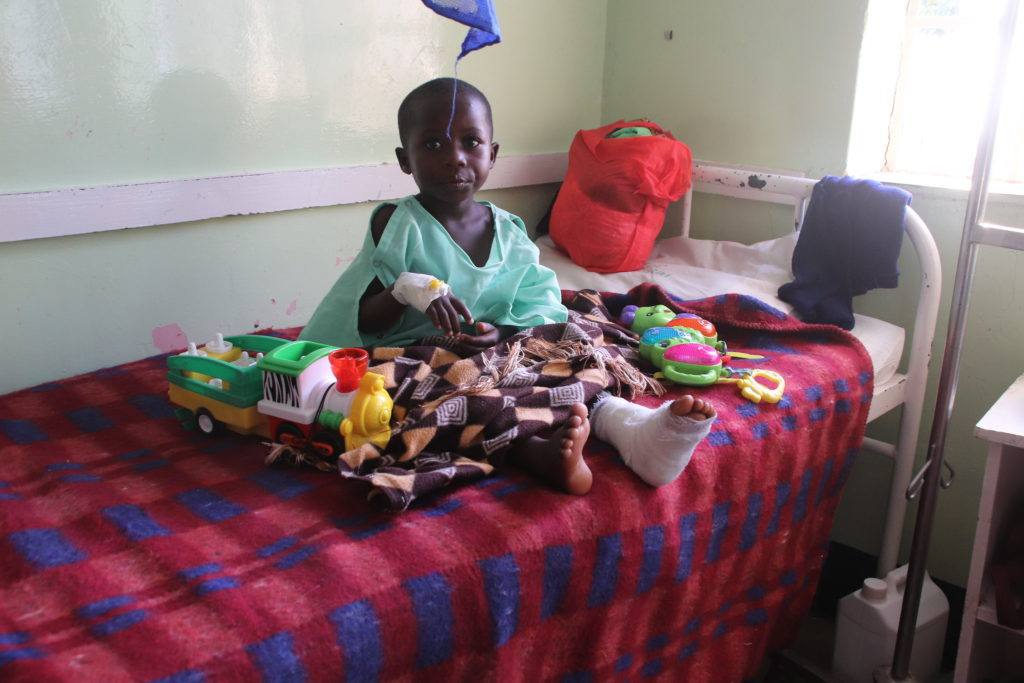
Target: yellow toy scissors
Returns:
[752, 389]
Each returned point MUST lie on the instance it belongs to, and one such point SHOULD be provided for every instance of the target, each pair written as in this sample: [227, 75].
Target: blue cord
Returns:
[455, 90]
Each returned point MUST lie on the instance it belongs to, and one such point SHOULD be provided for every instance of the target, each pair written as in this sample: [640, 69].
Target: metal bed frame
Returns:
[904, 388]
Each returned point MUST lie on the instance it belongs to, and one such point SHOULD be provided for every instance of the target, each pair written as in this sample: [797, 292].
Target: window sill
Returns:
[947, 186]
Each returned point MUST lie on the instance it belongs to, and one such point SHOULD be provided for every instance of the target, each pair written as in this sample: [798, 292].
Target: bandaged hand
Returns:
[433, 297]
[418, 290]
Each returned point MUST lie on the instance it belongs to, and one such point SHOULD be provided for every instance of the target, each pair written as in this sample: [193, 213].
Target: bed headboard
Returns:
[745, 184]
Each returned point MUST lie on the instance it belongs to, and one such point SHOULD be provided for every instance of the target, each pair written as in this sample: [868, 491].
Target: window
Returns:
[923, 118]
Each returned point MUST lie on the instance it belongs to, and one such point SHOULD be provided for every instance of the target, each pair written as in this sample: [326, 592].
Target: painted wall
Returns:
[118, 91]
[115, 90]
[772, 85]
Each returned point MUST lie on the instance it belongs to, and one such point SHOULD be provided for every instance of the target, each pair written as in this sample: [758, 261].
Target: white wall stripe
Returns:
[73, 211]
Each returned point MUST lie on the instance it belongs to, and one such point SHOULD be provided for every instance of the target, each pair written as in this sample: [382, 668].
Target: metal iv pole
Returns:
[975, 233]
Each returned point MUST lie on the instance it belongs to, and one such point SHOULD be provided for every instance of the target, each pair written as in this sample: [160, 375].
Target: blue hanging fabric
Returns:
[478, 15]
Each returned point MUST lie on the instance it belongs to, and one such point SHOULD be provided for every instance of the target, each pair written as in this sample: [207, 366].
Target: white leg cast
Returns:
[655, 443]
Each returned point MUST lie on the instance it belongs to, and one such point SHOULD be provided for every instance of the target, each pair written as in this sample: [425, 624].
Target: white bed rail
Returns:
[906, 388]
[742, 183]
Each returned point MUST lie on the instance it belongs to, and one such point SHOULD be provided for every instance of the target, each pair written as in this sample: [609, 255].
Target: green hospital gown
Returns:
[512, 288]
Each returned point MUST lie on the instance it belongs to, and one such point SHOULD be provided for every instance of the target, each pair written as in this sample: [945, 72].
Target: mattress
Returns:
[697, 269]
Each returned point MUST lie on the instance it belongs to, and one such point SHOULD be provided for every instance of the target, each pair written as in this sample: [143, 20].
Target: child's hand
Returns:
[444, 312]
[487, 336]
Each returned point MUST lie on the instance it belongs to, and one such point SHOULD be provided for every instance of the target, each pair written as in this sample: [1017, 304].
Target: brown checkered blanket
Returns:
[457, 416]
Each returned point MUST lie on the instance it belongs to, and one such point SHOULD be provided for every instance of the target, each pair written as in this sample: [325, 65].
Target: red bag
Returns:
[612, 204]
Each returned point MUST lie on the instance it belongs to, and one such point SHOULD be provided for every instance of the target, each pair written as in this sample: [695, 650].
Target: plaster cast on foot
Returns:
[655, 443]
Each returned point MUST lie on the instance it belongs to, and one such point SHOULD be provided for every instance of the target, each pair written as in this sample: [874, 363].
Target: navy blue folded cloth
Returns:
[849, 244]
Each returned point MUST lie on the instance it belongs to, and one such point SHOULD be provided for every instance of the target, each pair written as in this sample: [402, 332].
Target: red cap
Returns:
[348, 366]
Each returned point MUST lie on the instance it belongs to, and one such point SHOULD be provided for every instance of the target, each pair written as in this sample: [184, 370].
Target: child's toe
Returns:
[684, 405]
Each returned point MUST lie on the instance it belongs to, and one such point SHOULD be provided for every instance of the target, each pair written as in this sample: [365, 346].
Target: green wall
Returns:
[118, 91]
[772, 85]
[109, 91]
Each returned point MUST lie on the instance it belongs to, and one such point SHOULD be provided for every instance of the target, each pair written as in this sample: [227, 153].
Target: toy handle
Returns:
[755, 391]
[697, 379]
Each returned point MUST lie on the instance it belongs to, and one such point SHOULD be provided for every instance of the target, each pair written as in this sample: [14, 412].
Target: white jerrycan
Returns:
[866, 629]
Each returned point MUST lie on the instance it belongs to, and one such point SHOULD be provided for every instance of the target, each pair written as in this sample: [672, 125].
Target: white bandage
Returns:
[656, 444]
[419, 290]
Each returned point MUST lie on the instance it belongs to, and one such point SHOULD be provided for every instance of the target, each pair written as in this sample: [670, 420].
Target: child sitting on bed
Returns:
[442, 261]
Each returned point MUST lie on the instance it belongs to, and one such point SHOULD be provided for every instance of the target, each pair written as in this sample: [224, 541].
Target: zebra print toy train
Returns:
[299, 393]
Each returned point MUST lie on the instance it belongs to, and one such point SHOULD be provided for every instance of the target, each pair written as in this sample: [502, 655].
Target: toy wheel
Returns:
[185, 417]
[206, 423]
[290, 435]
[329, 445]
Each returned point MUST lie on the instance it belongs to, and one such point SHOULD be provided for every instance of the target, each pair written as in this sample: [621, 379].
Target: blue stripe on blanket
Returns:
[749, 534]
[101, 607]
[719, 525]
[119, 623]
[185, 676]
[800, 505]
[606, 570]
[432, 605]
[22, 431]
[281, 484]
[687, 535]
[276, 658]
[7, 656]
[134, 522]
[782, 491]
[557, 571]
[46, 548]
[501, 582]
[209, 505]
[358, 631]
[654, 542]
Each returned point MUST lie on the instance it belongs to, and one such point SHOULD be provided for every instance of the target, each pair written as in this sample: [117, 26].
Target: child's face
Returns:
[449, 170]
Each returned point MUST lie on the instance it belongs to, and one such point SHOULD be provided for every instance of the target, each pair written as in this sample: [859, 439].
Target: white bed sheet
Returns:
[695, 269]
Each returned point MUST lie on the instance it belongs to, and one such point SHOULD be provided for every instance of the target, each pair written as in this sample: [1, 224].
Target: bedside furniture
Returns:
[987, 649]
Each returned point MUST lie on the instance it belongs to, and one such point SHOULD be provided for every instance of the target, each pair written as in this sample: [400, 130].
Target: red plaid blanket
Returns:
[133, 550]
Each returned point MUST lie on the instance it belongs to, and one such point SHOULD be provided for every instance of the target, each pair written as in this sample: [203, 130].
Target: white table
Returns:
[986, 648]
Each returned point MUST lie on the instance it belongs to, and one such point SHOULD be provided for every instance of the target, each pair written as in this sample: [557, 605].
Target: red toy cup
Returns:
[348, 366]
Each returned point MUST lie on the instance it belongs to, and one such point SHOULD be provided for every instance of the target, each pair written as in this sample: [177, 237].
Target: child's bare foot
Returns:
[558, 458]
[693, 408]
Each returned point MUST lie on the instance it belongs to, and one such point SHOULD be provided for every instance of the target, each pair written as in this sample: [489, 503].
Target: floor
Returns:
[809, 660]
